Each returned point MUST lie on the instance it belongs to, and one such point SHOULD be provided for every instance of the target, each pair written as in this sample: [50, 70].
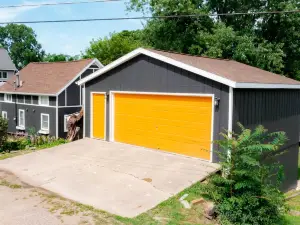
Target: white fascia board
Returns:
[26, 93]
[98, 63]
[140, 51]
[192, 69]
[184, 66]
[81, 72]
[110, 66]
[266, 86]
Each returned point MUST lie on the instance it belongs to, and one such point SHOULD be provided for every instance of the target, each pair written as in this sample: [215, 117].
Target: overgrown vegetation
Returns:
[248, 192]
[26, 142]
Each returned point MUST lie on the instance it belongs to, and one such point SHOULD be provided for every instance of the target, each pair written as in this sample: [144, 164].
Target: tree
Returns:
[59, 58]
[282, 29]
[224, 42]
[248, 192]
[114, 46]
[276, 36]
[20, 41]
[173, 34]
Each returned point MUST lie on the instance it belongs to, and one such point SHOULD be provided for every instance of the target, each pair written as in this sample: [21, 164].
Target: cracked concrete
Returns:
[118, 178]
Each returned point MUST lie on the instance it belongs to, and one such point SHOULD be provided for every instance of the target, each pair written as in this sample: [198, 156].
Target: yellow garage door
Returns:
[179, 124]
[98, 115]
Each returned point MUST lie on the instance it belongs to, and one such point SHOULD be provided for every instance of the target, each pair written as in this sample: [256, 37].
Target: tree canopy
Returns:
[110, 48]
[20, 41]
[267, 41]
[59, 58]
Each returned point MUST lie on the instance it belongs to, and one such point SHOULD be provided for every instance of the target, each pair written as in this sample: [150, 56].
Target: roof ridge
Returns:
[74, 61]
[180, 53]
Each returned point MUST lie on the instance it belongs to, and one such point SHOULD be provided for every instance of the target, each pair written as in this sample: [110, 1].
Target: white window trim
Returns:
[42, 129]
[40, 101]
[4, 113]
[5, 98]
[21, 127]
[65, 123]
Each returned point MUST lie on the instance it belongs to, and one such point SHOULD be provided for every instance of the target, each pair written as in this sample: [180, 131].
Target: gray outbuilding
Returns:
[180, 103]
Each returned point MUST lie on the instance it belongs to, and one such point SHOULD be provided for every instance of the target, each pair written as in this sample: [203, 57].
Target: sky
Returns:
[70, 38]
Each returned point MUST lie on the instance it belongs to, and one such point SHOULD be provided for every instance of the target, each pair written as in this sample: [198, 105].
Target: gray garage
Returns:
[180, 103]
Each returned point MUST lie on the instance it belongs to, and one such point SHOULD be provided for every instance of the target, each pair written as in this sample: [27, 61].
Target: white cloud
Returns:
[9, 14]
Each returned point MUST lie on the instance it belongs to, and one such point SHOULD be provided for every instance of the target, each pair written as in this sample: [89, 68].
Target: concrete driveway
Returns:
[118, 178]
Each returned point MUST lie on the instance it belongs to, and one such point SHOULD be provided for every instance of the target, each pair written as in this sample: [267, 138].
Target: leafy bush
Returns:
[18, 142]
[3, 132]
[248, 192]
[15, 144]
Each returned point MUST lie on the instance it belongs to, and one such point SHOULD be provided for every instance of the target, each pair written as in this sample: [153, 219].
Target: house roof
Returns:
[228, 72]
[47, 78]
[5, 61]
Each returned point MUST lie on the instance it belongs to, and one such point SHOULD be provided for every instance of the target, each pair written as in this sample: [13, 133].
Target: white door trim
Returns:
[112, 110]
[92, 114]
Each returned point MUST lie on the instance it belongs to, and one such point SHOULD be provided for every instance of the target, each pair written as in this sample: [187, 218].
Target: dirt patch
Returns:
[37, 206]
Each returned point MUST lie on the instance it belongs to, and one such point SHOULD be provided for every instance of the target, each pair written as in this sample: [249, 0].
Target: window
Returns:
[21, 119]
[44, 122]
[8, 98]
[43, 100]
[4, 114]
[20, 99]
[4, 75]
[66, 118]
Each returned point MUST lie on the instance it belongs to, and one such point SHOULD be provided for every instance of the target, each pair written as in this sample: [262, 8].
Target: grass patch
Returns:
[10, 185]
[299, 166]
[6, 155]
[172, 212]
[14, 153]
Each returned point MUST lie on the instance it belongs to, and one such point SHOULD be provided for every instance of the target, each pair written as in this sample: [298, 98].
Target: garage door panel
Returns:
[180, 124]
[98, 115]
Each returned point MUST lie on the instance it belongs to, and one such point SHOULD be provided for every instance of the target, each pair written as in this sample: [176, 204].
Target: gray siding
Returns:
[10, 73]
[277, 110]
[61, 113]
[73, 94]
[62, 99]
[32, 116]
[145, 74]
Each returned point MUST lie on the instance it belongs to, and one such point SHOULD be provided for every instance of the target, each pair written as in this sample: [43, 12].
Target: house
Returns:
[42, 95]
[7, 67]
[180, 103]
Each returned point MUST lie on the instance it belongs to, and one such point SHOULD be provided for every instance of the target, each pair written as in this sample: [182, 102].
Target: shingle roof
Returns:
[228, 72]
[229, 69]
[46, 78]
[5, 61]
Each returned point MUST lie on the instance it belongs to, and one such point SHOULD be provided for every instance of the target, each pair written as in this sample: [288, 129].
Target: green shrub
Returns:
[15, 144]
[248, 192]
[3, 132]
